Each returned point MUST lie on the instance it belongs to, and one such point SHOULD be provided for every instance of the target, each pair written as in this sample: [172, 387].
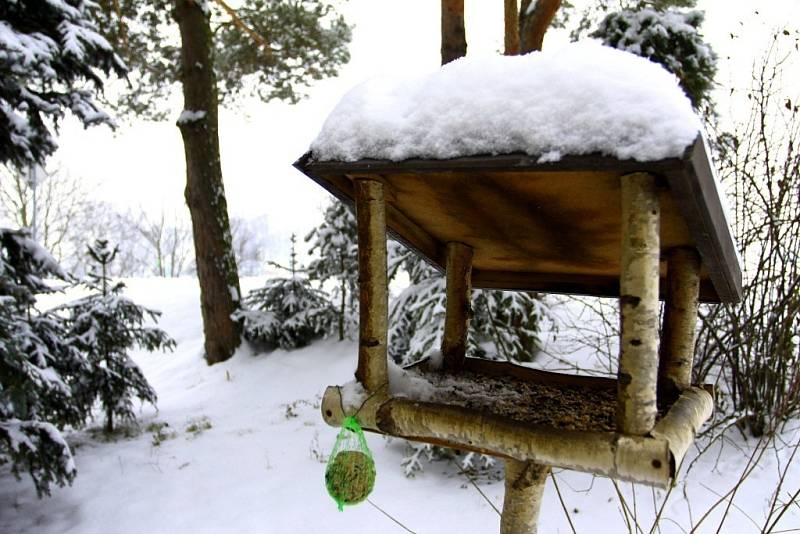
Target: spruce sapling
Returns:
[287, 312]
[105, 326]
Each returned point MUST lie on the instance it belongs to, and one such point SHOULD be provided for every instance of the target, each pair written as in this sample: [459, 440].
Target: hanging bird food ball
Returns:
[350, 474]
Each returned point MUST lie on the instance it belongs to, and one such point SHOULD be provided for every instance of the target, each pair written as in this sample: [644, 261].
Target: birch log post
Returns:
[372, 283]
[523, 498]
[638, 362]
[457, 311]
[680, 321]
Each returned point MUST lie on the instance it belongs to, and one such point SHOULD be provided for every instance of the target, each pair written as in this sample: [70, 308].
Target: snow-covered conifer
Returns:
[105, 326]
[335, 241]
[38, 369]
[287, 312]
[49, 55]
[504, 324]
[669, 37]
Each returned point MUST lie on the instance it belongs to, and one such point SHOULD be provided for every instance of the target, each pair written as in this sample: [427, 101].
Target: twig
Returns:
[561, 500]
[476, 487]
[381, 510]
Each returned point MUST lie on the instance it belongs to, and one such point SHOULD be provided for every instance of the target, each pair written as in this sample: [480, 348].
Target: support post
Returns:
[373, 285]
[680, 322]
[639, 277]
[458, 310]
[523, 498]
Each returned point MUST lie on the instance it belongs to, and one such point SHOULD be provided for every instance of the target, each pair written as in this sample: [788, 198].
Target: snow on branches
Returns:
[670, 38]
[50, 55]
[104, 326]
[288, 312]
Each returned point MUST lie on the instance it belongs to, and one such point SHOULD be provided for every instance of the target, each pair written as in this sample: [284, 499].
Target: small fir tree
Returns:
[504, 324]
[287, 312]
[39, 370]
[668, 37]
[105, 326]
[336, 243]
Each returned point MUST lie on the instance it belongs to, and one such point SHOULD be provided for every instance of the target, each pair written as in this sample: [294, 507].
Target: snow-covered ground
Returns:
[244, 448]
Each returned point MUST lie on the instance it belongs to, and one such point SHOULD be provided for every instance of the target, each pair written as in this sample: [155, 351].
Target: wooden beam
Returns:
[679, 324]
[458, 309]
[373, 285]
[525, 483]
[647, 460]
[638, 362]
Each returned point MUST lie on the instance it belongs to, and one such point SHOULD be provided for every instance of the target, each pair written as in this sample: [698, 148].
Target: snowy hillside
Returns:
[239, 448]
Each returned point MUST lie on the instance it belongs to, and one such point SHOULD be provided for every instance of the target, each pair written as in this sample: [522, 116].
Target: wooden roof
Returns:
[551, 227]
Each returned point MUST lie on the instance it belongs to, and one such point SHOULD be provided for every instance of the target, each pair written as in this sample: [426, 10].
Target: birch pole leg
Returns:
[680, 322]
[638, 362]
[523, 498]
[457, 312]
[373, 286]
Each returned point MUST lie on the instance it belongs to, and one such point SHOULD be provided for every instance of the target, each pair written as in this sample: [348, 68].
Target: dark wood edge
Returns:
[501, 369]
[694, 188]
[574, 284]
[486, 162]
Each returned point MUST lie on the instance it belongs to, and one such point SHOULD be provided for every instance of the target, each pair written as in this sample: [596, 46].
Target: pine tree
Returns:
[49, 53]
[287, 312]
[39, 371]
[507, 320]
[336, 242]
[668, 37]
[105, 326]
[264, 48]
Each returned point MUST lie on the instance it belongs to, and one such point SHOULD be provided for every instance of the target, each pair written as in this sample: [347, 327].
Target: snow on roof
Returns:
[580, 99]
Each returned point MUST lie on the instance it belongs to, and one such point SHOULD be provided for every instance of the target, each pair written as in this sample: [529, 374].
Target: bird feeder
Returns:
[587, 224]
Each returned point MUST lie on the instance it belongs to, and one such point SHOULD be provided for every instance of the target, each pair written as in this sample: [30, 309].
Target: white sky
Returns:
[142, 164]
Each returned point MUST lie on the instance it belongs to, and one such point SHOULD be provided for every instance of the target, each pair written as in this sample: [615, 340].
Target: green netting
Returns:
[350, 474]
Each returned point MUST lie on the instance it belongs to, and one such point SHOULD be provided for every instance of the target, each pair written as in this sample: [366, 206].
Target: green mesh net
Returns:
[350, 474]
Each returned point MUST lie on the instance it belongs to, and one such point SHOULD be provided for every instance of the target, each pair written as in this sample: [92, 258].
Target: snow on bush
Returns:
[580, 99]
[670, 38]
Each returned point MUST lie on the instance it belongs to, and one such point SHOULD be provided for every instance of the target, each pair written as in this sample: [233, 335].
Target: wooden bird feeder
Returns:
[589, 225]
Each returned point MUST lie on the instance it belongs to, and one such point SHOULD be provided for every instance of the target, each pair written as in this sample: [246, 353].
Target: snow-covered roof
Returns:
[580, 99]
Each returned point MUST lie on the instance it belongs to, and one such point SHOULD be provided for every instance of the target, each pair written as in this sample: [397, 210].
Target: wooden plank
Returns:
[457, 307]
[500, 369]
[373, 296]
[552, 218]
[574, 284]
[695, 189]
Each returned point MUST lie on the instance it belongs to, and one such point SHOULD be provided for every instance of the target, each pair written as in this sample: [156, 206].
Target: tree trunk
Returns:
[523, 498]
[342, 309]
[109, 420]
[638, 297]
[454, 38]
[533, 23]
[511, 27]
[205, 193]
[457, 312]
[373, 287]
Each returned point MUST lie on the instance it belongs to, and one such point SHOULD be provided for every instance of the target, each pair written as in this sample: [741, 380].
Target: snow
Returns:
[188, 115]
[240, 447]
[583, 98]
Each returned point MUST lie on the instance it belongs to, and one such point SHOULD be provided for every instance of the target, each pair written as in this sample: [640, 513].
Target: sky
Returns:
[141, 165]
